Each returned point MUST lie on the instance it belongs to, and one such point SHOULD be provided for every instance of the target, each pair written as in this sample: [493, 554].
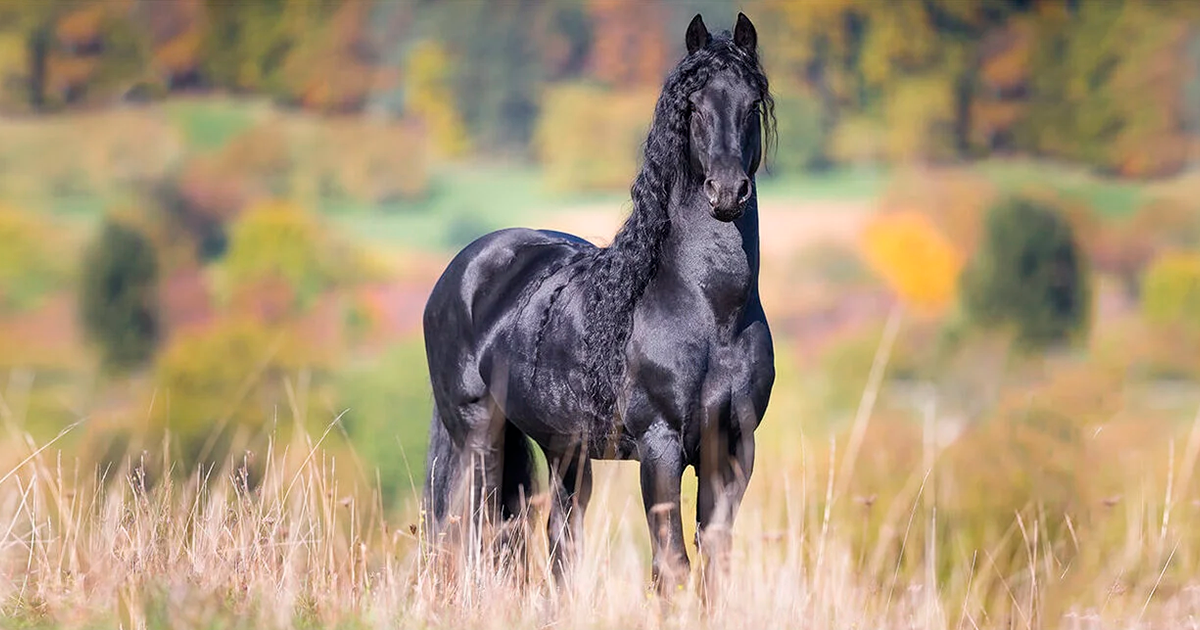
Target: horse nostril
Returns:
[710, 190]
[744, 191]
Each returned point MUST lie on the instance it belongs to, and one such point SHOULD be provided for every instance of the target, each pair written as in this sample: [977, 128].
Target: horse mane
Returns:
[618, 274]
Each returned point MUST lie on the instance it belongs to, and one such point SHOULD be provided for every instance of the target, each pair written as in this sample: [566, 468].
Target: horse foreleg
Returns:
[723, 473]
[661, 474]
[571, 489]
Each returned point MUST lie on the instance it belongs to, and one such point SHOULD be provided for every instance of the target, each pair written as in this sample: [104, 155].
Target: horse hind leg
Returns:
[452, 505]
[462, 476]
[477, 492]
[570, 492]
[516, 490]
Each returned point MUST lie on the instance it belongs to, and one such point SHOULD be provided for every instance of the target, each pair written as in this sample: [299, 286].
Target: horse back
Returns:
[487, 276]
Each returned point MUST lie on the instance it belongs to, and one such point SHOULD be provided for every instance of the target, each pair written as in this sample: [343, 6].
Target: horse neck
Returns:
[710, 259]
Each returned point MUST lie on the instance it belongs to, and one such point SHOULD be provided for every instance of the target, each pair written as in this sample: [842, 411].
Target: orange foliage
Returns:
[918, 262]
[329, 72]
[1006, 55]
[629, 48]
[181, 53]
[83, 25]
[66, 73]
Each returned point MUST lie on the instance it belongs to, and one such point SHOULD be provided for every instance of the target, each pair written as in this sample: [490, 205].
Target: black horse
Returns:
[655, 348]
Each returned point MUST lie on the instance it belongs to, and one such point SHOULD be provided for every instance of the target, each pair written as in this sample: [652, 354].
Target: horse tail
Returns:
[442, 471]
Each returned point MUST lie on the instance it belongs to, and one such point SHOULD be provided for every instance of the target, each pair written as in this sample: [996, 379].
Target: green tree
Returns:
[119, 295]
[1029, 274]
[500, 63]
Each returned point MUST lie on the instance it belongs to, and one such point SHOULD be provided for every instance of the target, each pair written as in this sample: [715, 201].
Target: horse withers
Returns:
[655, 348]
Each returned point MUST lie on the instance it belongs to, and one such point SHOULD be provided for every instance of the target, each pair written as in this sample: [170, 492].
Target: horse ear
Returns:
[697, 35]
[744, 34]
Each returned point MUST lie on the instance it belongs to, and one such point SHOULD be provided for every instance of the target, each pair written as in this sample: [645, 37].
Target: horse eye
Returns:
[754, 110]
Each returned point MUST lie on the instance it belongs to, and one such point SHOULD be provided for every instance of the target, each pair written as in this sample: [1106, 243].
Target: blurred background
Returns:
[219, 222]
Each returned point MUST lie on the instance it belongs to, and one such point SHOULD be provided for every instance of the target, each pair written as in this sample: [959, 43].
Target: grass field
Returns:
[1061, 509]
[304, 549]
[874, 527]
[467, 202]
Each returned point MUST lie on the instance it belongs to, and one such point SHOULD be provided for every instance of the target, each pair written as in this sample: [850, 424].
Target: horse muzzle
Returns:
[728, 196]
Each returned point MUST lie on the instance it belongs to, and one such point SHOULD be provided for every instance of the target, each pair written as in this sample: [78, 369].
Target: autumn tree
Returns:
[61, 52]
[429, 96]
[915, 259]
[1106, 87]
[177, 30]
[630, 45]
[332, 66]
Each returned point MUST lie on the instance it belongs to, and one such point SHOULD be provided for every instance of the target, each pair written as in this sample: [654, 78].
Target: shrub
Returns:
[28, 269]
[118, 295]
[369, 161]
[390, 407]
[229, 379]
[279, 245]
[588, 137]
[1028, 275]
[1125, 248]
[1171, 290]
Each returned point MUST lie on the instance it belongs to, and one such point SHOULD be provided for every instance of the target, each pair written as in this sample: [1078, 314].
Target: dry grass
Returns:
[297, 549]
[897, 526]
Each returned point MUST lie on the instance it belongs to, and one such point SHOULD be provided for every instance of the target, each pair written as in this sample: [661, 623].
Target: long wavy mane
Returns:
[618, 274]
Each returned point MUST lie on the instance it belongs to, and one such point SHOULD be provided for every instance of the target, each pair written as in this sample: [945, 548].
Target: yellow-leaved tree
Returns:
[915, 259]
[430, 97]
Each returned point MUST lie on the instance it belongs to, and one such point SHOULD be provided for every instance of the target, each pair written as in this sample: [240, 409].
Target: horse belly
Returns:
[537, 378]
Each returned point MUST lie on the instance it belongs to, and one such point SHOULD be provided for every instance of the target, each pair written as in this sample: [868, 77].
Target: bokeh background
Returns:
[219, 222]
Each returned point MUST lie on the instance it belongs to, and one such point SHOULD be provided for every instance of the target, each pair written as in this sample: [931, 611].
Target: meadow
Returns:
[905, 479]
